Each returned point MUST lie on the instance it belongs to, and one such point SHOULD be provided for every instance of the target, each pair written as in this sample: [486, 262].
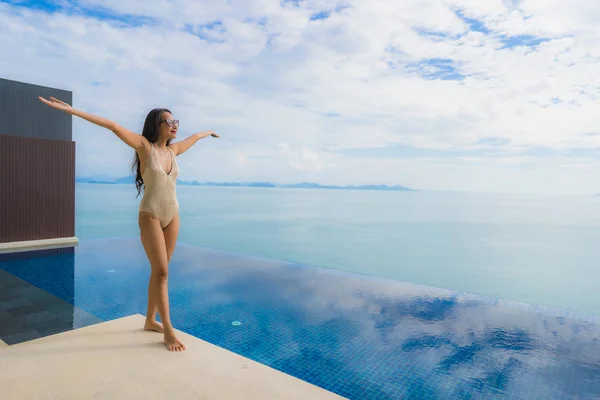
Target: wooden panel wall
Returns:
[37, 188]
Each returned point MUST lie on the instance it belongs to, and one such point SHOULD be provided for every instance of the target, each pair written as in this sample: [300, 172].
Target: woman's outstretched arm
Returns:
[181, 147]
[132, 139]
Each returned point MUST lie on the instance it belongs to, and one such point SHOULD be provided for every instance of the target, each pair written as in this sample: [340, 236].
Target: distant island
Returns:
[302, 185]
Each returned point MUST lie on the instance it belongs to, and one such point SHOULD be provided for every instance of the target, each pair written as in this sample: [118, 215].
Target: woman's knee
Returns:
[160, 272]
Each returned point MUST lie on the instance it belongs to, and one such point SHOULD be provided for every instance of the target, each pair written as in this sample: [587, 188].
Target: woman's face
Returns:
[168, 126]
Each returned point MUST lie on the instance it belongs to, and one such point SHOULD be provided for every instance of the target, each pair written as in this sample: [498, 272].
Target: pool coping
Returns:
[41, 244]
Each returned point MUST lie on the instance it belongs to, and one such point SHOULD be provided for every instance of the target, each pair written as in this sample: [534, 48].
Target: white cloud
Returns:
[269, 75]
[303, 159]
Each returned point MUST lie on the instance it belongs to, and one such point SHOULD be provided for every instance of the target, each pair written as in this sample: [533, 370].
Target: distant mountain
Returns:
[307, 185]
[262, 184]
[79, 179]
[310, 185]
[302, 185]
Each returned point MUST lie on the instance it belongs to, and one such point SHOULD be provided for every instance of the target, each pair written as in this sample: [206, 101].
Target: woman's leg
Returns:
[170, 232]
[153, 240]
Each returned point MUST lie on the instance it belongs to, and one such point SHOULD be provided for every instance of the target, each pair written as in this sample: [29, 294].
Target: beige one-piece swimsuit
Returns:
[160, 197]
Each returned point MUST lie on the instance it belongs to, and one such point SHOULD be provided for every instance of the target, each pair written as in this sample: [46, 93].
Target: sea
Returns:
[535, 249]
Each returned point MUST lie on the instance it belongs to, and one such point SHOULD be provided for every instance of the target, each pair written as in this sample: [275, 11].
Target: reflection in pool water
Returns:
[361, 337]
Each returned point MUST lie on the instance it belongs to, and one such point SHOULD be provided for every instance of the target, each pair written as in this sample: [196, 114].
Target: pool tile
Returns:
[24, 310]
[51, 327]
[10, 325]
[7, 295]
[361, 337]
[14, 302]
[21, 336]
[28, 312]
[36, 317]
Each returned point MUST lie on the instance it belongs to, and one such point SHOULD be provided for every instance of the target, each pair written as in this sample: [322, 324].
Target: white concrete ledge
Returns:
[2, 344]
[118, 360]
[38, 244]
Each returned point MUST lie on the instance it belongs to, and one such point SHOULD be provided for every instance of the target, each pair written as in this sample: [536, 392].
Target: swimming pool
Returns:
[358, 336]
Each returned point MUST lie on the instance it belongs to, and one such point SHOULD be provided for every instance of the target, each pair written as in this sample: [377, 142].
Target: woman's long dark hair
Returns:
[150, 132]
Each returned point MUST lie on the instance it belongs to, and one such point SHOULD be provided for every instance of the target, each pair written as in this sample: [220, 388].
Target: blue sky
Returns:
[437, 94]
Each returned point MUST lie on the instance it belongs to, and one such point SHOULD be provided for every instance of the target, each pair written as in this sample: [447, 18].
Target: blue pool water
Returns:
[361, 337]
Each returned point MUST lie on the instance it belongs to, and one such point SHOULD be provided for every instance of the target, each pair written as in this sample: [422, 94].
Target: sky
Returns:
[461, 95]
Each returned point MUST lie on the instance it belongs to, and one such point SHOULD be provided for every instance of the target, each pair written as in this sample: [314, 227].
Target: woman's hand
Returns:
[183, 146]
[58, 104]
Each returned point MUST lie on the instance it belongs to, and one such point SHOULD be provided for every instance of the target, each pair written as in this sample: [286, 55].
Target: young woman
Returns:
[156, 173]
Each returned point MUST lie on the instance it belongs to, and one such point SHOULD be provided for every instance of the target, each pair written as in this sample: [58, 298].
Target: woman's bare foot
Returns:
[173, 344]
[153, 326]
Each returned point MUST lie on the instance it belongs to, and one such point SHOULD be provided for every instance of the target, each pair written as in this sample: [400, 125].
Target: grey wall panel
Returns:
[23, 115]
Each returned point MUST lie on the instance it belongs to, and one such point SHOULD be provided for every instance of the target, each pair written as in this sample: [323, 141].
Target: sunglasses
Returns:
[171, 122]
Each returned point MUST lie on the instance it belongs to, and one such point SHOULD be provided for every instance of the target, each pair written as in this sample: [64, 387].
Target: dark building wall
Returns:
[37, 165]
[22, 114]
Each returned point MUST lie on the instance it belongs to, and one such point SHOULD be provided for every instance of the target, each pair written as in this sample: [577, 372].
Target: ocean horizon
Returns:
[540, 250]
[130, 179]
